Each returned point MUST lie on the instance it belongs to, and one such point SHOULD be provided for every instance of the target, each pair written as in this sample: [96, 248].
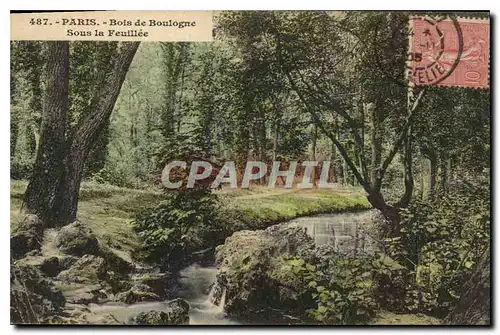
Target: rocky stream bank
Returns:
[69, 277]
[58, 278]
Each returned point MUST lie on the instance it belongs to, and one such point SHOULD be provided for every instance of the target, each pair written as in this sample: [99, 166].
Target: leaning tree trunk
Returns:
[53, 190]
[474, 306]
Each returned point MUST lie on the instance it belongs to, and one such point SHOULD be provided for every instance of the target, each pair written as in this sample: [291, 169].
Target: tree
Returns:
[369, 83]
[53, 190]
[175, 60]
[88, 67]
[26, 93]
[348, 71]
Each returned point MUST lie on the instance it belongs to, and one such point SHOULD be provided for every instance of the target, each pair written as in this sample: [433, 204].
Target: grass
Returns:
[109, 210]
[259, 210]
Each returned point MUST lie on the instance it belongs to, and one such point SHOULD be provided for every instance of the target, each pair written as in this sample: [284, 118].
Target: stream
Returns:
[345, 231]
[194, 282]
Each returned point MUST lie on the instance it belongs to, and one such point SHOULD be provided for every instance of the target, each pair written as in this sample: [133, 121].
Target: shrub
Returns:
[177, 227]
[443, 239]
[347, 290]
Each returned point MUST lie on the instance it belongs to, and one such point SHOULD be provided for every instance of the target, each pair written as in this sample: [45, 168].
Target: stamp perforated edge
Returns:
[461, 19]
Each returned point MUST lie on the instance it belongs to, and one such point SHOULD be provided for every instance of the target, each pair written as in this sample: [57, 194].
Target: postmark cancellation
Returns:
[449, 52]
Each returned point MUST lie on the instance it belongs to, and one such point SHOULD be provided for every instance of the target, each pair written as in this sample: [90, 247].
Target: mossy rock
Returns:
[88, 269]
[115, 262]
[138, 293]
[251, 270]
[158, 282]
[23, 242]
[27, 237]
[77, 239]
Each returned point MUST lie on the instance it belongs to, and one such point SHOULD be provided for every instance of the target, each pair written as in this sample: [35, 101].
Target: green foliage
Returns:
[177, 227]
[181, 146]
[113, 173]
[350, 296]
[347, 290]
[26, 105]
[443, 240]
[233, 100]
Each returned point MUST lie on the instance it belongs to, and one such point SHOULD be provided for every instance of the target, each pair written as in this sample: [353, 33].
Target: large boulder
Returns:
[77, 239]
[115, 262]
[176, 312]
[253, 276]
[33, 298]
[27, 237]
[88, 269]
[23, 242]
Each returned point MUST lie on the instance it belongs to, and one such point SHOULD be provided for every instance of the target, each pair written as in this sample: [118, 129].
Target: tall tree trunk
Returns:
[35, 105]
[391, 214]
[443, 173]
[432, 177]
[54, 187]
[98, 155]
[42, 196]
[14, 116]
[313, 151]
[429, 152]
[376, 144]
[408, 171]
[90, 130]
[333, 165]
[276, 127]
[345, 173]
[422, 177]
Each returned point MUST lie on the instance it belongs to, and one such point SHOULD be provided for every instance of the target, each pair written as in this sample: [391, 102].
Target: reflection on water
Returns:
[346, 231]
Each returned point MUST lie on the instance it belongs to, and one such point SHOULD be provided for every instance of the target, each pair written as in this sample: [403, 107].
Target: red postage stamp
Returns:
[449, 52]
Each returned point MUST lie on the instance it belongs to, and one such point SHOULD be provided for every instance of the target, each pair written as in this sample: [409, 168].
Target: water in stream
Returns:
[346, 231]
[195, 283]
[195, 287]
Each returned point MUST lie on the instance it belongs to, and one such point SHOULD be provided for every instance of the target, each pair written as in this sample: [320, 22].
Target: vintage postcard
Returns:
[250, 168]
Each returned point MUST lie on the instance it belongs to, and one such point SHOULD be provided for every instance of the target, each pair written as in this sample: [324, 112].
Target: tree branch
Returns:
[317, 120]
[336, 107]
[402, 134]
